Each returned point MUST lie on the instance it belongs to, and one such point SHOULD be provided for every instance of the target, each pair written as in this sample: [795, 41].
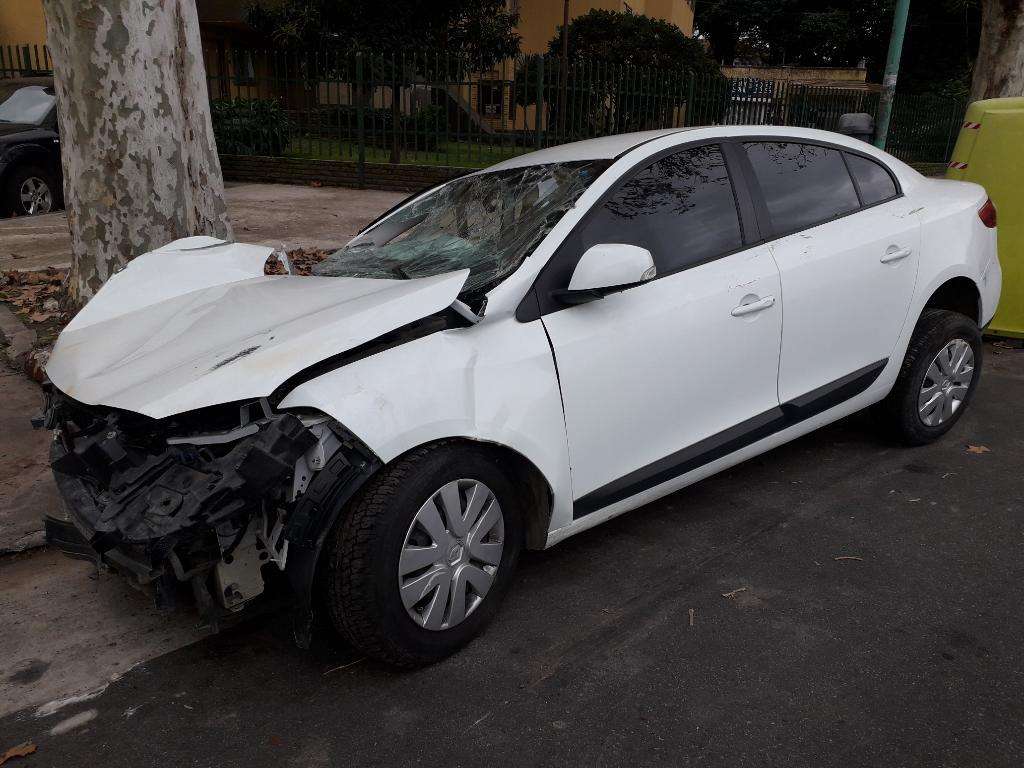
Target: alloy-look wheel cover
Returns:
[946, 383]
[35, 196]
[451, 554]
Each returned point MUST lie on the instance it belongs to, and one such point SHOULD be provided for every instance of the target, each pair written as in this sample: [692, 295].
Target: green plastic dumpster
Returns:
[990, 152]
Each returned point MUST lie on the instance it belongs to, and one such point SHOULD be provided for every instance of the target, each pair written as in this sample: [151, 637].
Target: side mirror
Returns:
[606, 268]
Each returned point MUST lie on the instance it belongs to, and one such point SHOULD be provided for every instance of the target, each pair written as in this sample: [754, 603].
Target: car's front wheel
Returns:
[419, 564]
[30, 191]
[939, 375]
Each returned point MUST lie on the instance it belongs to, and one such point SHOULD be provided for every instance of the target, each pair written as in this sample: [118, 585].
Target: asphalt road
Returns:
[838, 601]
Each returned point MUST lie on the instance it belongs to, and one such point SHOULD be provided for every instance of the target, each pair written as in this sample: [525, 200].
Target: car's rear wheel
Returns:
[419, 564]
[939, 375]
[30, 191]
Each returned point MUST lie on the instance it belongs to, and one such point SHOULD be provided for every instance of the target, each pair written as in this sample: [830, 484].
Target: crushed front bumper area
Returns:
[171, 504]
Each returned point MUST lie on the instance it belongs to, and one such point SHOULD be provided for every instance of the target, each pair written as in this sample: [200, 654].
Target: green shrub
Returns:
[250, 126]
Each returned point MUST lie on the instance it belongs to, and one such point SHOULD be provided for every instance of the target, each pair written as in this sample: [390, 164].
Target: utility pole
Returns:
[892, 70]
[562, 95]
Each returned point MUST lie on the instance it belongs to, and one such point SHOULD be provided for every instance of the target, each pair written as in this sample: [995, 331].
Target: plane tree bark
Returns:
[999, 69]
[138, 152]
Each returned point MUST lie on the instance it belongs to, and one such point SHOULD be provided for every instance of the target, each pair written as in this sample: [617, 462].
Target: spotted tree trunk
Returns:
[999, 70]
[139, 157]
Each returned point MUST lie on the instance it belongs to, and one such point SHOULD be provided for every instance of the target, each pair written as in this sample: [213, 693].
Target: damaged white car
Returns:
[501, 362]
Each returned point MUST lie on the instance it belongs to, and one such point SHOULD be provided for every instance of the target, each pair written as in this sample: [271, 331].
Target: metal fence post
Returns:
[540, 103]
[360, 124]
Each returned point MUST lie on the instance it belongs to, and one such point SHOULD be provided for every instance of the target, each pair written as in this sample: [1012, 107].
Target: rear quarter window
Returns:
[874, 181]
[803, 184]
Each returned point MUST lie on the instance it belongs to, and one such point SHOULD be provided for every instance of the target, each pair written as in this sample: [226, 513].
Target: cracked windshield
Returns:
[486, 222]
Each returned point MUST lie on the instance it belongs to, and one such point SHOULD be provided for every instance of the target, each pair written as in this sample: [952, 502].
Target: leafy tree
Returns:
[626, 72]
[941, 40]
[625, 38]
[480, 31]
[472, 35]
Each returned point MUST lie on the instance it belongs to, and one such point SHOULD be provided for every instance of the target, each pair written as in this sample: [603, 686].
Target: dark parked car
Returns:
[30, 172]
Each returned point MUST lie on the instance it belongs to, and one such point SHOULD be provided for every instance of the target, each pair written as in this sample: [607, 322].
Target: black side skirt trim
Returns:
[730, 440]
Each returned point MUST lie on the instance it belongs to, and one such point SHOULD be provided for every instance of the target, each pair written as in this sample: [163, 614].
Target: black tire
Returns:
[361, 590]
[10, 195]
[934, 330]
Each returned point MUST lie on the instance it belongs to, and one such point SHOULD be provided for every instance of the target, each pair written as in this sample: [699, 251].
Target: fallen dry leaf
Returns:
[734, 592]
[978, 449]
[302, 260]
[20, 750]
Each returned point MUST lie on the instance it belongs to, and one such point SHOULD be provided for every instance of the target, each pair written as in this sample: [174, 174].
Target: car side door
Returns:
[660, 378]
[846, 243]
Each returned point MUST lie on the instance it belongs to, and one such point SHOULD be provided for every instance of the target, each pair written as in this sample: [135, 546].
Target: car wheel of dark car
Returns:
[421, 561]
[30, 191]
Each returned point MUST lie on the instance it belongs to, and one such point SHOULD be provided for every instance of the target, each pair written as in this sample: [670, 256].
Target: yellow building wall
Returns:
[540, 19]
[21, 23]
[678, 12]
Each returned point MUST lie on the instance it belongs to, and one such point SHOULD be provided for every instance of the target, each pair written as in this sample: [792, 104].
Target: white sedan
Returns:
[501, 362]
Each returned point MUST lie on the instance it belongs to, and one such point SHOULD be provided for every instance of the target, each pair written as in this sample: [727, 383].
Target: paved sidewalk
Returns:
[26, 486]
[271, 214]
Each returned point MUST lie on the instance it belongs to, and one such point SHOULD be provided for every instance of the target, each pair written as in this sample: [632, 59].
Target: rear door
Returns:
[655, 379]
[846, 244]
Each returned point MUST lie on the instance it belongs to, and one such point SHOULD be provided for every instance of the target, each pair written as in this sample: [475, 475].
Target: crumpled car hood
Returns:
[196, 323]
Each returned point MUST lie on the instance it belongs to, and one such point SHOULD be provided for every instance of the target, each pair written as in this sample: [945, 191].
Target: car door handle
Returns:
[754, 306]
[895, 254]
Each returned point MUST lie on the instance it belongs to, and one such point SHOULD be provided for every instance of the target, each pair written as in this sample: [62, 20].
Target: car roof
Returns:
[601, 148]
[613, 147]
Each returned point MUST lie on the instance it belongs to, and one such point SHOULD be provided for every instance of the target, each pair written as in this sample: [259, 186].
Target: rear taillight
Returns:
[987, 214]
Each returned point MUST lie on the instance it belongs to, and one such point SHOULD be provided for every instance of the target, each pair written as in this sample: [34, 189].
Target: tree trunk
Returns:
[999, 70]
[139, 157]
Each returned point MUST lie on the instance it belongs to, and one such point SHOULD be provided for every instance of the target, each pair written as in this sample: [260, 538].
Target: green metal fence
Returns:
[24, 61]
[434, 109]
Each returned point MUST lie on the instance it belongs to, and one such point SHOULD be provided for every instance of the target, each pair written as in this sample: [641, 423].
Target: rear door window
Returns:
[873, 180]
[803, 184]
[681, 208]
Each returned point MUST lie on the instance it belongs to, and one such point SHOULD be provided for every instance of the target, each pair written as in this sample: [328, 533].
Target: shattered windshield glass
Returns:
[486, 222]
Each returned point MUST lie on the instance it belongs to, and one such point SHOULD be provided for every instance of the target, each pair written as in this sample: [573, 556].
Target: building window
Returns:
[492, 98]
[244, 67]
